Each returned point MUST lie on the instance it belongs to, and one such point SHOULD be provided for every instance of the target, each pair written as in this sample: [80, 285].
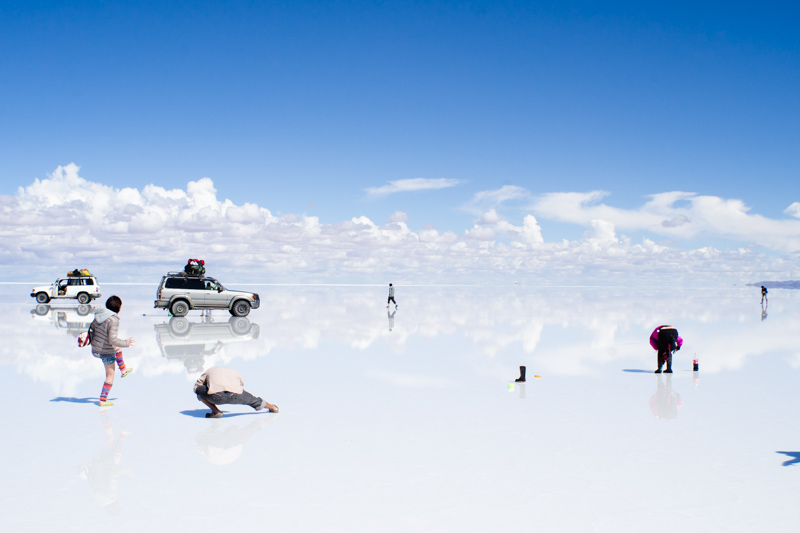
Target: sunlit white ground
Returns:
[413, 428]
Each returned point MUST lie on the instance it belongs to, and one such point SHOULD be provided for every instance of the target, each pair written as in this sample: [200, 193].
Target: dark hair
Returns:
[114, 303]
[390, 284]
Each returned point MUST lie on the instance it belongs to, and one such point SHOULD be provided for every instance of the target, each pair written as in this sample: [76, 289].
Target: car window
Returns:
[195, 284]
[175, 283]
[88, 282]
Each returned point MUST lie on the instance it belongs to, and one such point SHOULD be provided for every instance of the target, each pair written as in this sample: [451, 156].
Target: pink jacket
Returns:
[654, 338]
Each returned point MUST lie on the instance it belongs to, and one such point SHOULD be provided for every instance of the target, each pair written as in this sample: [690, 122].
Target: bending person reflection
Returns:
[223, 446]
[665, 402]
[103, 471]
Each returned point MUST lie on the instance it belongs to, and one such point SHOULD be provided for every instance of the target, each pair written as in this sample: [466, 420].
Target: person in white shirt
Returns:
[220, 385]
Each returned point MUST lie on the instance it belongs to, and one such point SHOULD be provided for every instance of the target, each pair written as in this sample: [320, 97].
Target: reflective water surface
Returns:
[410, 419]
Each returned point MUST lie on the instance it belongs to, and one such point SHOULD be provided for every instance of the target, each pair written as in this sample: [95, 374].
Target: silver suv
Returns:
[180, 293]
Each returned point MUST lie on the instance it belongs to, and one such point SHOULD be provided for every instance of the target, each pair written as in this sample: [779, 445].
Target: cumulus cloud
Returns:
[410, 185]
[67, 221]
[793, 210]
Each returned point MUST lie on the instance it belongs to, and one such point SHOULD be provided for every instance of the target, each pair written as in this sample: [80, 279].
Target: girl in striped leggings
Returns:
[106, 345]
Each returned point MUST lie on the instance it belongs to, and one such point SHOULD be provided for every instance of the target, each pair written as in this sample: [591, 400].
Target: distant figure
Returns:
[391, 318]
[391, 297]
[763, 295]
[665, 339]
[220, 385]
[106, 345]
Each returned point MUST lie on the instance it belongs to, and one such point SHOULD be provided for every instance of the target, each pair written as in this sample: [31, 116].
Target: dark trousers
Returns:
[245, 398]
[667, 343]
[391, 300]
[665, 357]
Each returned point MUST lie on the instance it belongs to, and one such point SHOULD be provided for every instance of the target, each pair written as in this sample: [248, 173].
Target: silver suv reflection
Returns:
[180, 293]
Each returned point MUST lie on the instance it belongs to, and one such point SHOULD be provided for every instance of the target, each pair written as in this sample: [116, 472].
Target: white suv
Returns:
[82, 288]
[179, 293]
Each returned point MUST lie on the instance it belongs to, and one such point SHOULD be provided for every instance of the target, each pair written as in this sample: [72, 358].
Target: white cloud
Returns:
[65, 221]
[487, 200]
[398, 216]
[702, 215]
[412, 184]
[793, 210]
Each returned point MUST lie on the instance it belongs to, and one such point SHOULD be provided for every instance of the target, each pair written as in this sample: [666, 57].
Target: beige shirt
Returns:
[221, 379]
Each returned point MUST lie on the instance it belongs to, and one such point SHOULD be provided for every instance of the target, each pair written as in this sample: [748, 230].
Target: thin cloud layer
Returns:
[410, 185]
[67, 221]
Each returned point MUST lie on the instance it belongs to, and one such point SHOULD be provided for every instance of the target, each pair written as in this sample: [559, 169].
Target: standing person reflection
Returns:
[665, 402]
[391, 318]
[102, 473]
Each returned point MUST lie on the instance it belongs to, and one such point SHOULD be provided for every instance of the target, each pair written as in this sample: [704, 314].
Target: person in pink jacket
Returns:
[665, 339]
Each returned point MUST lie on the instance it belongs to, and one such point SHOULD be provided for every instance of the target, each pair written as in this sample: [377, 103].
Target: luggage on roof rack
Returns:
[79, 272]
[195, 267]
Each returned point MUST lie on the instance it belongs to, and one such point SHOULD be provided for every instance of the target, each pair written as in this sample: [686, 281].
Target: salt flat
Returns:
[413, 428]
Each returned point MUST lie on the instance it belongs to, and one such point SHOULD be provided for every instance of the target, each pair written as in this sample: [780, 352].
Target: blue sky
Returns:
[303, 107]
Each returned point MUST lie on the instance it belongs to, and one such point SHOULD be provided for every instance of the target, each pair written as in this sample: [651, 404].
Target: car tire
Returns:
[42, 297]
[239, 324]
[84, 298]
[83, 310]
[179, 308]
[179, 325]
[240, 308]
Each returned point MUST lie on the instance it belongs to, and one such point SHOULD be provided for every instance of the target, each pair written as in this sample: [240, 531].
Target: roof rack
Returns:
[183, 274]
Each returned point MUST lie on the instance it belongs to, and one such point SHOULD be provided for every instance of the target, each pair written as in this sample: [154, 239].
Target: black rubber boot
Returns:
[521, 377]
[669, 365]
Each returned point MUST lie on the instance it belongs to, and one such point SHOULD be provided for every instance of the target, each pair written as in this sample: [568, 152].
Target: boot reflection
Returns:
[102, 473]
[665, 402]
[223, 442]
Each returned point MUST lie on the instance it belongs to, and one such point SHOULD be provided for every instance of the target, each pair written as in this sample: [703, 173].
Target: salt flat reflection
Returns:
[191, 342]
[222, 442]
[666, 401]
[565, 330]
[104, 469]
[71, 320]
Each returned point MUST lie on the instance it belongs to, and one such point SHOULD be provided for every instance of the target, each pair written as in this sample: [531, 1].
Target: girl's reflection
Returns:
[103, 471]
